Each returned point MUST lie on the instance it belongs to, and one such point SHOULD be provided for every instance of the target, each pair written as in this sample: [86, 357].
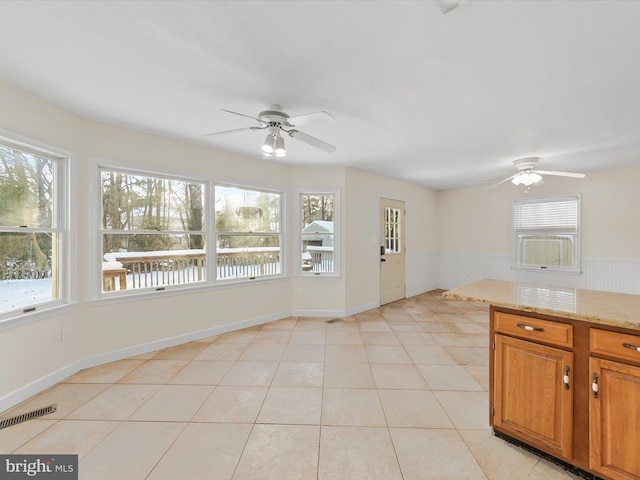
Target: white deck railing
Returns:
[174, 267]
[321, 259]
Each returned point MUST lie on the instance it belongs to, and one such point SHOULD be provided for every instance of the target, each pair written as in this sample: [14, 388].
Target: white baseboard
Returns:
[361, 308]
[335, 313]
[27, 391]
[318, 313]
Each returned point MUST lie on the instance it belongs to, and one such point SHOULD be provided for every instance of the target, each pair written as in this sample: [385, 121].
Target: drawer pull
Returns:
[565, 377]
[529, 328]
[631, 347]
[594, 385]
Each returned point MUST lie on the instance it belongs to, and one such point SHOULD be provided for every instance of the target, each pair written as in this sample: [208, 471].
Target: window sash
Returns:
[318, 249]
[557, 250]
[245, 215]
[47, 283]
[125, 201]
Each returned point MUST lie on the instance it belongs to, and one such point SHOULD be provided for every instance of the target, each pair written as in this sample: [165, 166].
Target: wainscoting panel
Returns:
[621, 275]
[422, 273]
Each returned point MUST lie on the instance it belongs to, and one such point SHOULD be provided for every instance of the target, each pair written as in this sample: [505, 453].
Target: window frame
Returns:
[280, 234]
[61, 213]
[575, 234]
[96, 295]
[97, 167]
[336, 231]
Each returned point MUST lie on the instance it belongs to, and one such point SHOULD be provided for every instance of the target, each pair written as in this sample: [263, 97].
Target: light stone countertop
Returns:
[605, 308]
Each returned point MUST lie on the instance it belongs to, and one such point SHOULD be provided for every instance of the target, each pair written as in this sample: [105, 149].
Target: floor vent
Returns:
[8, 422]
[334, 320]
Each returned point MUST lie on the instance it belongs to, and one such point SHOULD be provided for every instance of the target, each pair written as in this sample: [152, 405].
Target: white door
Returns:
[392, 251]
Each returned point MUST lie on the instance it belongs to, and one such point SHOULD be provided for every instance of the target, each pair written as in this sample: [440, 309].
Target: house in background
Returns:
[456, 230]
[317, 250]
[318, 226]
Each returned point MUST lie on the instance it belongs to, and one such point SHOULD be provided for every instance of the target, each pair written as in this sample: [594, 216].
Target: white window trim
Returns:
[336, 232]
[96, 296]
[64, 210]
[577, 270]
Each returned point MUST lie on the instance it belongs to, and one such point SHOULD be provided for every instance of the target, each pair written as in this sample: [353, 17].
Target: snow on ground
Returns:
[22, 293]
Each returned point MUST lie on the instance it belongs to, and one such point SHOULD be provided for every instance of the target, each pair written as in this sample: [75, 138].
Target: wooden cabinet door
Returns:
[532, 401]
[614, 429]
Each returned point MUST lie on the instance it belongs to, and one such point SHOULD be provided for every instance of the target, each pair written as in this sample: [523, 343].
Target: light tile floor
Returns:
[398, 392]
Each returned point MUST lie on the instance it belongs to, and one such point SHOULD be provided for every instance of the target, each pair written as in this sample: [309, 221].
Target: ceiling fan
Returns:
[527, 174]
[276, 121]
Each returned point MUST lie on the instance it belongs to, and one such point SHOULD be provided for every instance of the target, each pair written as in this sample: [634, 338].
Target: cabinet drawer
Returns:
[613, 344]
[545, 331]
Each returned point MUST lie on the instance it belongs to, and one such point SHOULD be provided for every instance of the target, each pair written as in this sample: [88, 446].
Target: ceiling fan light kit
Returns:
[278, 121]
[274, 144]
[528, 176]
[279, 149]
[267, 146]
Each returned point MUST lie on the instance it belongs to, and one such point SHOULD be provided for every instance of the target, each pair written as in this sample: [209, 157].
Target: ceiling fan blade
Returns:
[234, 131]
[501, 181]
[242, 115]
[307, 118]
[313, 141]
[561, 174]
[446, 6]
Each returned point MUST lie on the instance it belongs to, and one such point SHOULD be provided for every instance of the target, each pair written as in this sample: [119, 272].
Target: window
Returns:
[33, 241]
[248, 234]
[546, 233]
[153, 231]
[318, 233]
[392, 230]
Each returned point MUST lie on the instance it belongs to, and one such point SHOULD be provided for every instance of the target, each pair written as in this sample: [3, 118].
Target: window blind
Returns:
[555, 214]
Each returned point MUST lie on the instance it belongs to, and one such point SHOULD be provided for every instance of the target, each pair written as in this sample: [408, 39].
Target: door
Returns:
[614, 414]
[533, 394]
[392, 251]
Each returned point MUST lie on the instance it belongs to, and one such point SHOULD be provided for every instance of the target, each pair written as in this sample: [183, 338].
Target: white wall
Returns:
[33, 357]
[322, 296]
[475, 233]
[362, 224]
[453, 237]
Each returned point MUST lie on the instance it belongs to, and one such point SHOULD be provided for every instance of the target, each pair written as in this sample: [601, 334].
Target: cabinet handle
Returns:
[594, 385]
[565, 377]
[632, 347]
[530, 328]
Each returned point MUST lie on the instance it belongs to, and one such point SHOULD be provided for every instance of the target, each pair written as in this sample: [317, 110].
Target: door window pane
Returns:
[393, 240]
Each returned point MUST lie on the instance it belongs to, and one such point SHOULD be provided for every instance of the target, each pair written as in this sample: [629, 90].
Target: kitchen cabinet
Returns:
[564, 373]
[614, 405]
[529, 380]
[532, 387]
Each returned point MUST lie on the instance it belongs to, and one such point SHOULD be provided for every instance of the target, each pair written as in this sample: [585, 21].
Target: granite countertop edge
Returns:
[594, 317]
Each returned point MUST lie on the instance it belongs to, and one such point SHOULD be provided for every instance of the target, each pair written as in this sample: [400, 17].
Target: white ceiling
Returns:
[443, 100]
